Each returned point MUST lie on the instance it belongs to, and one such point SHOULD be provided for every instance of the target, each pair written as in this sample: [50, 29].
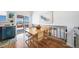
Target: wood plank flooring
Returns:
[50, 42]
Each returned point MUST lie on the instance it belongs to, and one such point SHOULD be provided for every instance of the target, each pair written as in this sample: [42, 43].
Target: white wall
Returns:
[24, 13]
[3, 13]
[36, 19]
[66, 18]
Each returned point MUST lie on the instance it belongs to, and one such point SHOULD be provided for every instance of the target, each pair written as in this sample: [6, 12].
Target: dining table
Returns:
[34, 31]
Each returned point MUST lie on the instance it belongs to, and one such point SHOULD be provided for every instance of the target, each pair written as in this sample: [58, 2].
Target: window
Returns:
[2, 18]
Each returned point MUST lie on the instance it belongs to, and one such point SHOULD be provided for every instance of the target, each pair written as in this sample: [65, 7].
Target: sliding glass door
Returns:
[19, 24]
[22, 23]
[26, 22]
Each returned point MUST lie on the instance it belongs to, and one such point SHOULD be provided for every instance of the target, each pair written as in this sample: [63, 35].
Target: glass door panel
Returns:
[19, 24]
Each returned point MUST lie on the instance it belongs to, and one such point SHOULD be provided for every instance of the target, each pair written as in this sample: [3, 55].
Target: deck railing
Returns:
[59, 32]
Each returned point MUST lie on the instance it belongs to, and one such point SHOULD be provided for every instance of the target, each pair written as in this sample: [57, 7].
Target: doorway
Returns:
[19, 24]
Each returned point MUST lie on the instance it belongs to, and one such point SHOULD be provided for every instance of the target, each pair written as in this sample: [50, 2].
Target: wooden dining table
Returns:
[34, 32]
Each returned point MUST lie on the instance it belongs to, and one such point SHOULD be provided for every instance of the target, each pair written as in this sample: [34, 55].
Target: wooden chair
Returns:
[33, 41]
[40, 35]
[29, 38]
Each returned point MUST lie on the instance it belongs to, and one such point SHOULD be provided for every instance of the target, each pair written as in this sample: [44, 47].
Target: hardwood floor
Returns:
[50, 42]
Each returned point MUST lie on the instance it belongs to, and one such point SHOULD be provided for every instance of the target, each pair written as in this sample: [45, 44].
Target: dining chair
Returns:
[40, 35]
